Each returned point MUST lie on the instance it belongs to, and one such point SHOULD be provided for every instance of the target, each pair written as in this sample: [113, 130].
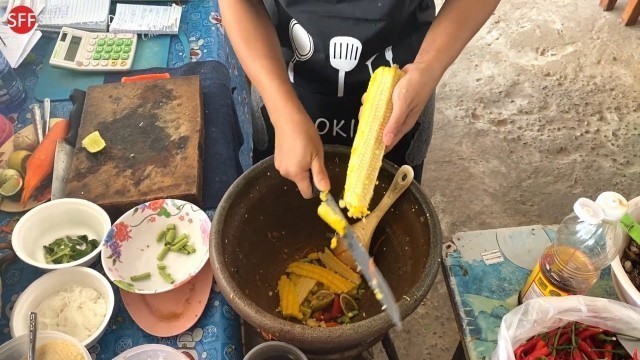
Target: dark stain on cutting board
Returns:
[154, 134]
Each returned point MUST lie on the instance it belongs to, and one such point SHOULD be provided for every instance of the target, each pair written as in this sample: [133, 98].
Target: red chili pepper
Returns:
[607, 353]
[527, 346]
[539, 344]
[635, 354]
[331, 324]
[539, 353]
[564, 339]
[586, 350]
[590, 343]
[576, 354]
[588, 332]
[334, 313]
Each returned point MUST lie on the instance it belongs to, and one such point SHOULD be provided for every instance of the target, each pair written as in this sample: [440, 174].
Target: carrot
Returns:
[40, 163]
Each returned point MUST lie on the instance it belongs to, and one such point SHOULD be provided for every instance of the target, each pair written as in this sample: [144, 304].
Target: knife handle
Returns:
[77, 99]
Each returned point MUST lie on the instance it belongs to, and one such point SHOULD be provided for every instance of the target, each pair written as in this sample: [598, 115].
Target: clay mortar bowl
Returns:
[262, 224]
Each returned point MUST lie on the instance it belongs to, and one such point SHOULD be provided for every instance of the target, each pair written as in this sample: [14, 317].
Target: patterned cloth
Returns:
[217, 334]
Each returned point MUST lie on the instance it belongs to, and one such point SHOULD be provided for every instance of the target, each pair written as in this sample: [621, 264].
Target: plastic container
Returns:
[586, 242]
[151, 352]
[12, 93]
[16, 348]
[275, 350]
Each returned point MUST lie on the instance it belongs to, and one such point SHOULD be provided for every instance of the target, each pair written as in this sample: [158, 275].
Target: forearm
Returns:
[457, 22]
[256, 44]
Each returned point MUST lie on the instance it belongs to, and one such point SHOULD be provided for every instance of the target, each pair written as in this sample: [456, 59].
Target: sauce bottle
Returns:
[586, 242]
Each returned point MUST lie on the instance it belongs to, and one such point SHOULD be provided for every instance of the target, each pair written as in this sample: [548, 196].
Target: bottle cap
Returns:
[613, 204]
[588, 211]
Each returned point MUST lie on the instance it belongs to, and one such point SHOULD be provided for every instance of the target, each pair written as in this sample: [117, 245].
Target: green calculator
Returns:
[90, 51]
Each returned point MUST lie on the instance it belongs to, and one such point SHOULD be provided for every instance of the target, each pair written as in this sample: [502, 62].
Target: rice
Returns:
[57, 350]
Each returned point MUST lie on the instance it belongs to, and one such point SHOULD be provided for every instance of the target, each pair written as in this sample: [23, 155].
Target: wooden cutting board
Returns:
[154, 135]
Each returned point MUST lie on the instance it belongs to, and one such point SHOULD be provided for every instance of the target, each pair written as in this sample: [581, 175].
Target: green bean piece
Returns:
[171, 226]
[161, 236]
[163, 253]
[180, 238]
[180, 245]
[189, 248]
[162, 266]
[166, 276]
[171, 236]
[183, 252]
[140, 277]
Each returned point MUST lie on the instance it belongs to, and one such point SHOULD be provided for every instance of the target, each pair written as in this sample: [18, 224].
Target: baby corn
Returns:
[335, 282]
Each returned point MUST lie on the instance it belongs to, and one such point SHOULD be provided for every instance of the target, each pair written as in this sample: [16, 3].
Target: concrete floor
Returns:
[541, 108]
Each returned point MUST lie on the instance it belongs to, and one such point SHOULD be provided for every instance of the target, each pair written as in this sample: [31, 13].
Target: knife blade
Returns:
[366, 266]
[65, 147]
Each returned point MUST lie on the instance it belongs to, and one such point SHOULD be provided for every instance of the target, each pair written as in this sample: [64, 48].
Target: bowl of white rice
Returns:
[76, 301]
[50, 345]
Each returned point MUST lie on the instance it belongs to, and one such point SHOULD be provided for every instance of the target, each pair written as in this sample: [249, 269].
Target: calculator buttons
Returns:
[126, 49]
[90, 48]
[119, 42]
[86, 63]
[117, 49]
[99, 49]
[124, 56]
[110, 42]
[95, 63]
[115, 56]
[97, 57]
[92, 42]
[114, 63]
[108, 49]
[88, 56]
[102, 36]
[123, 63]
[94, 36]
[106, 56]
[128, 42]
[111, 36]
[102, 42]
[104, 63]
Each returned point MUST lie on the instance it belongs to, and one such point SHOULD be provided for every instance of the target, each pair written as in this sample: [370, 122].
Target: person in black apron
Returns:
[310, 61]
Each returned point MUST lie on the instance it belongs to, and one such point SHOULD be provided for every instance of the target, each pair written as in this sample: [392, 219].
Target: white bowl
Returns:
[151, 351]
[16, 349]
[130, 247]
[50, 284]
[625, 289]
[55, 219]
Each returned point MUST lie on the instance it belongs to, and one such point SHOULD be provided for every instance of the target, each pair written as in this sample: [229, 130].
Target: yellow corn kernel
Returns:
[368, 148]
[334, 242]
[333, 263]
[334, 220]
[335, 282]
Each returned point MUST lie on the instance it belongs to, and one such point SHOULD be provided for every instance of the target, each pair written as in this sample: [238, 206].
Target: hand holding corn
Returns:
[409, 98]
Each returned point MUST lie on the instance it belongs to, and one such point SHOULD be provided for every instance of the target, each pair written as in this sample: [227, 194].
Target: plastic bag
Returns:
[540, 315]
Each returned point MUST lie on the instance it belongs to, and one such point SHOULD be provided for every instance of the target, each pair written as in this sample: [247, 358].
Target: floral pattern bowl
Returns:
[131, 246]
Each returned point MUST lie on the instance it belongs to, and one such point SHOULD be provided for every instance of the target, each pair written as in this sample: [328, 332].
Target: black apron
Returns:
[332, 47]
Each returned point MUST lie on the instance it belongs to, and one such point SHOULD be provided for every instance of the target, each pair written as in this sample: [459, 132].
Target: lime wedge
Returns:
[18, 161]
[93, 142]
[10, 182]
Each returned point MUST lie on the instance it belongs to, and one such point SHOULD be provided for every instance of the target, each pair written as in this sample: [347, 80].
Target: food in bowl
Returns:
[75, 310]
[69, 248]
[631, 263]
[57, 350]
[320, 291]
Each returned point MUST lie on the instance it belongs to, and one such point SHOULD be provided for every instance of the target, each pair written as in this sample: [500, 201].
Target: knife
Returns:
[65, 147]
[365, 263]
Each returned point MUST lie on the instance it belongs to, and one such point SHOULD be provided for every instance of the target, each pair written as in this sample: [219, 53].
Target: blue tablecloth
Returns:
[216, 335]
[485, 271]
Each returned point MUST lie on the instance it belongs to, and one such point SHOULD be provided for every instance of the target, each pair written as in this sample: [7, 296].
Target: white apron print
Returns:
[344, 53]
[301, 43]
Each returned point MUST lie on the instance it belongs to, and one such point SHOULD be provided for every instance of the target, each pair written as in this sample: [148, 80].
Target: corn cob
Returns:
[368, 147]
[333, 263]
[288, 298]
[335, 282]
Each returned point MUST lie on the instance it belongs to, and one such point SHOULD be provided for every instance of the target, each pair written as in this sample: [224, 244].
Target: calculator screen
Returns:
[72, 50]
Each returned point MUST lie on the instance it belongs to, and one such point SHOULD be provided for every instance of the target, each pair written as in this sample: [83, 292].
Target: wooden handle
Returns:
[400, 183]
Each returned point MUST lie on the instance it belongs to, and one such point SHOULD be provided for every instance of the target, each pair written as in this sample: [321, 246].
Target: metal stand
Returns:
[389, 348]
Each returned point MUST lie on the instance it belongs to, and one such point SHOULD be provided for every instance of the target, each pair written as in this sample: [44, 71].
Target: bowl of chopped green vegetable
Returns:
[156, 246]
[61, 234]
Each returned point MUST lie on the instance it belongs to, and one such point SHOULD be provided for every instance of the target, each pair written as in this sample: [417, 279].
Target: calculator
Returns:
[94, 51]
